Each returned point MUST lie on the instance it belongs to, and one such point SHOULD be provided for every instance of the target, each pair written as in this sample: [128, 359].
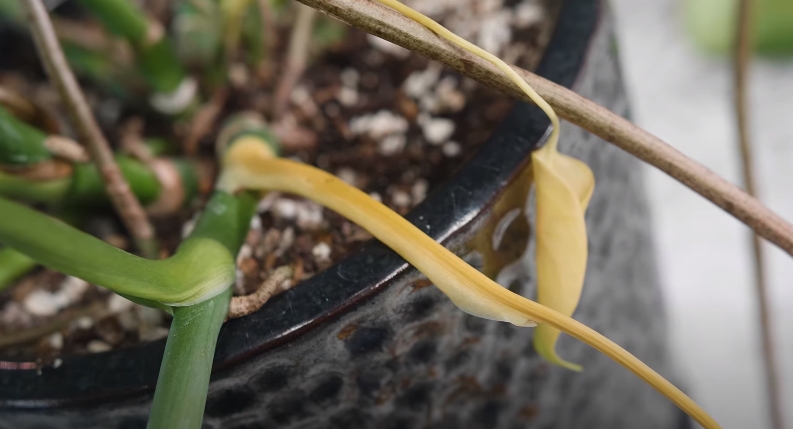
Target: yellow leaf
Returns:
[563, 187]
[250, 164]
[566, 183]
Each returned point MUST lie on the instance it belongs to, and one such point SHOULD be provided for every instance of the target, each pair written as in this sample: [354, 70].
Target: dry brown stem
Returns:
[244, 305]
[95, 311]
[742, 60]
[264, 69]
[62, 78]
[296, 57]
[204, 120]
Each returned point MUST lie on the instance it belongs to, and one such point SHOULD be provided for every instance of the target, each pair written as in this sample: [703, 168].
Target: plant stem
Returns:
[13, 265]
[27, 111]
[296, 57]
[181, 393]
[270, 33]
[197, 32]
[20, 144]
[156, 56]
[180, 397]
[244, 305]
[233, 12]
[204, 120]
[126, 204]
[743, 55]
[394, 27]
[200, 268]
[34, 191]
[88, 186]
[95, 311]
[252, 38]
[93, 38]
[92, 53]
[82, 185]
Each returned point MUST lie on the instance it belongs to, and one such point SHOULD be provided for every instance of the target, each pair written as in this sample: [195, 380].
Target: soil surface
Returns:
[381, 118]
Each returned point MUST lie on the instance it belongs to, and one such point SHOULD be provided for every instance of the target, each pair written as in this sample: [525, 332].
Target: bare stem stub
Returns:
[63, 79]
[396, 28]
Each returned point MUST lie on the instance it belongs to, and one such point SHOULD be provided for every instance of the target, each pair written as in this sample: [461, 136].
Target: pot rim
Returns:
[448, 214]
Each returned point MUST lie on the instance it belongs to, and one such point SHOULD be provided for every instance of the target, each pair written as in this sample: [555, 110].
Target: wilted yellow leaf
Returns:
[566, 185]
[563, 187]
[250, 164]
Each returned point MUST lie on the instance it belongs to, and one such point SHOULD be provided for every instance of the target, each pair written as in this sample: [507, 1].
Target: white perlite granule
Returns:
[379, 125]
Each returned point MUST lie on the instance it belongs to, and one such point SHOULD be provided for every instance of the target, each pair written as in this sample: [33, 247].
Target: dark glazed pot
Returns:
[363, 345]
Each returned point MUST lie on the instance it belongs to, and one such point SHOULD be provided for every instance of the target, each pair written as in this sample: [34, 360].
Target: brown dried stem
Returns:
[204, 120]
[95, 311]
[394, 27]
[742, 59]
[125, 202]
[270, 37]
[244, 305]
[296, 57]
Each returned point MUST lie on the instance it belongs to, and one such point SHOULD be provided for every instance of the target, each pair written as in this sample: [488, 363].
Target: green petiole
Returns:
[200, 269]
[13, 265]
[20, 143]
[187, 364]
[197, 29]
[155, 53]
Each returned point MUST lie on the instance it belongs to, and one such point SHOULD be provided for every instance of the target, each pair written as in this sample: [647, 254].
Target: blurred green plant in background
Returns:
[711, 23]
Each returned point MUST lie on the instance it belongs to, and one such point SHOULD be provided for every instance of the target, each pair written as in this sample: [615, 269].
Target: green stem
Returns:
[13, 265]
[254, 35]
[200, 269]
[98, 67]
[85, 187]
[183, 382]
[156, 55]
[197, 31]
[20, 144]
[181, 393]
[88, 187]
[33, 191]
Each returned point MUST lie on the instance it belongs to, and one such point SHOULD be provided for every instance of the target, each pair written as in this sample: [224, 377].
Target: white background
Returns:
[684, 96]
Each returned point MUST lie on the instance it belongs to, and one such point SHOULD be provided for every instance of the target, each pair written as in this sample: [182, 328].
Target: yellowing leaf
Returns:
[563, 188]
[567, 185]
[250, 164]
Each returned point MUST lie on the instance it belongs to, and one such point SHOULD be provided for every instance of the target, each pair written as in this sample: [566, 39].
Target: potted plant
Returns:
[363, 343]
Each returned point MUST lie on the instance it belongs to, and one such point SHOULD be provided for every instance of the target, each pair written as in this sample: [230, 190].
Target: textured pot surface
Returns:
[367, 344]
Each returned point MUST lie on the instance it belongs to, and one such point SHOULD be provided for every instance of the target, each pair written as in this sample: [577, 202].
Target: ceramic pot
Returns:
[368, 344]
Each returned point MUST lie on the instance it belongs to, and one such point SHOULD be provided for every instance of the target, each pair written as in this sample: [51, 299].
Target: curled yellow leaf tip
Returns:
[563, 187]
